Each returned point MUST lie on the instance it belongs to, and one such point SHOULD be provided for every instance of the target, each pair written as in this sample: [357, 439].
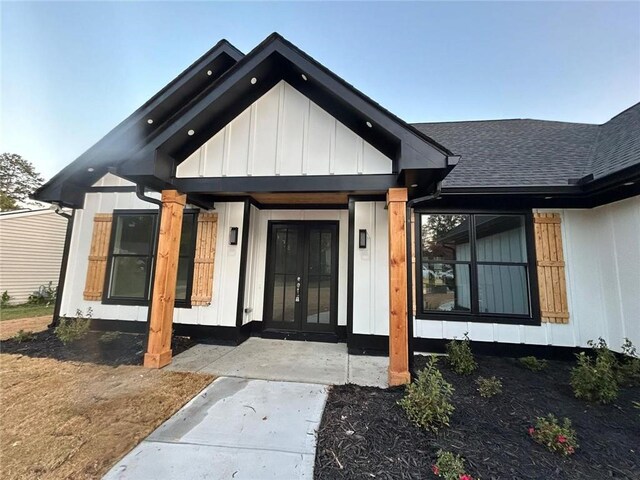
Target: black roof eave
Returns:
[107, 151]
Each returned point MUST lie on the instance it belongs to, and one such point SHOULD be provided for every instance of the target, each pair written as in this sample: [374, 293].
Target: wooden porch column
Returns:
[398, 332]
[164, 283]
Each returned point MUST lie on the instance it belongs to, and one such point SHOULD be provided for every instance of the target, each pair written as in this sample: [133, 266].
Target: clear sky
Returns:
[72, 71]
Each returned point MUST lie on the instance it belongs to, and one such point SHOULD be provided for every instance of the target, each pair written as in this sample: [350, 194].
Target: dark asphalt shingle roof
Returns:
[523, 152]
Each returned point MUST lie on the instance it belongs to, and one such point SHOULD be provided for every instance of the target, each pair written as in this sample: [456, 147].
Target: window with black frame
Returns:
[474, 264]
[132, 256]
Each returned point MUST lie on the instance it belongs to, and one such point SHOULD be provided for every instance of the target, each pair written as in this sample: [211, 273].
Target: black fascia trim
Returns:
[112, 148]
[615, 179]
[114, 189]
[244, 253]
[63, 270]
[534, 317]
[281, 183]
[350, 264]
[302, 206]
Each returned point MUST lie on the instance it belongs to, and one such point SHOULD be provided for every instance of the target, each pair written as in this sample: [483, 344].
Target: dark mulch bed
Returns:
[365, 434]
[125, 349]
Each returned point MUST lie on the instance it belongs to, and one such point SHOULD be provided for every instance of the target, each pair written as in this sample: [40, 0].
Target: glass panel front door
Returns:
[302, 276]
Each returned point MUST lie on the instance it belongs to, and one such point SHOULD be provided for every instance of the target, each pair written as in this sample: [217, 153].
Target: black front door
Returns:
[301, 291]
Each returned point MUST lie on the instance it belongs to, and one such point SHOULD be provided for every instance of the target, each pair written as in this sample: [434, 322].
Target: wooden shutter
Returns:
[203, 260]
[98, 256]
[550, 263]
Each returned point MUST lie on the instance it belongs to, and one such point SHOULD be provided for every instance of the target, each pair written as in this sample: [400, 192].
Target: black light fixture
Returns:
[362, 238]
[233, 236]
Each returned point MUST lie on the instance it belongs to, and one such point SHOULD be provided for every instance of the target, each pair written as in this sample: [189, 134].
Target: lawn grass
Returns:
[25, 311]
[63, 420]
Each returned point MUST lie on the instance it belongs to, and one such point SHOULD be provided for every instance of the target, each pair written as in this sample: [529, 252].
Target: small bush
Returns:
[45, 295]
[5, 299]
[629, 366]
[595, 379]
[533, 364]
[108, 337]
[70, 330]
[460, 358]
[557, 438]
[489, 387]
[23, 336]
[427, 401]
[448, 466]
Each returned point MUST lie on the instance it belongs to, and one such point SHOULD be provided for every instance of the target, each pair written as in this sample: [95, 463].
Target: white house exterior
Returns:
[295, 207]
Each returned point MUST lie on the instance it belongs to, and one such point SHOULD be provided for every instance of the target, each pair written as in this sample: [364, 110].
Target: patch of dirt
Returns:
[365, 434]
[70, 420]
[8, 328]
[124, 349]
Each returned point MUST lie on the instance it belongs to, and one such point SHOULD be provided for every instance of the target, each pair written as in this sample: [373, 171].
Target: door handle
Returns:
[298, 290]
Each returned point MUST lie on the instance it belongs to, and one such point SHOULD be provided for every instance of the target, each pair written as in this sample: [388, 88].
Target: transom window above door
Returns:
[475, 267]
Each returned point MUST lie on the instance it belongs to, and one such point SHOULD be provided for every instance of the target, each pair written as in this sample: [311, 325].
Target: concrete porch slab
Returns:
[285, 360]
[235, 428]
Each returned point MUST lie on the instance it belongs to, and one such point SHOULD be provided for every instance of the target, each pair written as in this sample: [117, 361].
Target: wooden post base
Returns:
[399, 378]
[157, 360]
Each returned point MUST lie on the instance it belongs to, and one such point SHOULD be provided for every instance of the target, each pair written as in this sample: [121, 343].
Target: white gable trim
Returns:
[284, 133]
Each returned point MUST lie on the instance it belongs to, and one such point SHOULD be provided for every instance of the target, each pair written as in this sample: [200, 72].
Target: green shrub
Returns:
[629, 366]
[594, 379]
[449, 466]
[23, 336]
[45, 295]
[5, 299]
[70, 330]
[427, 400]
[460, 358]
[533, 364]
[556, 437]
[489, 387]
[108, 337]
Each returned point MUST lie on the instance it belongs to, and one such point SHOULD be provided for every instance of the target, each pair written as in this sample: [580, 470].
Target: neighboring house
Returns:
[31, 247]
[300, 192]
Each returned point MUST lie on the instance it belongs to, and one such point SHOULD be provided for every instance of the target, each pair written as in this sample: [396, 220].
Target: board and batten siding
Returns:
[602, 264]
[284, 133]
[221, 311]
[371, 270]
[257, 256]
[31, 248]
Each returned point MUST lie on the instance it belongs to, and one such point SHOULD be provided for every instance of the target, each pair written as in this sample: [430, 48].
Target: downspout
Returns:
[140, 194]
[410, 205]
[63, 266]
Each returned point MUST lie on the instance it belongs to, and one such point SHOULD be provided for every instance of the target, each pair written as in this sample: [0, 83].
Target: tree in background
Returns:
[18, 179]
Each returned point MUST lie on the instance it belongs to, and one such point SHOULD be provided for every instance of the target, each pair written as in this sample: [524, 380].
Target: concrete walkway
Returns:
[234, 429]
[285, 360]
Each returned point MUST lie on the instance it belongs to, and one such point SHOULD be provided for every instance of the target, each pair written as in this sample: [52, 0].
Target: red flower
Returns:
[562, 439]
[435, 470]
[532, 430]
[570, 449]
[466, 477]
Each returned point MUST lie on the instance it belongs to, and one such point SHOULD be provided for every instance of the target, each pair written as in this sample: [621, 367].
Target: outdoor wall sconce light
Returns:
[362, 239]
[233, 236]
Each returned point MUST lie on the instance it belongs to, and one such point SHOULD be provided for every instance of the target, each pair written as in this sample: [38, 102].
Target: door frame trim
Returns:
[268, 288]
